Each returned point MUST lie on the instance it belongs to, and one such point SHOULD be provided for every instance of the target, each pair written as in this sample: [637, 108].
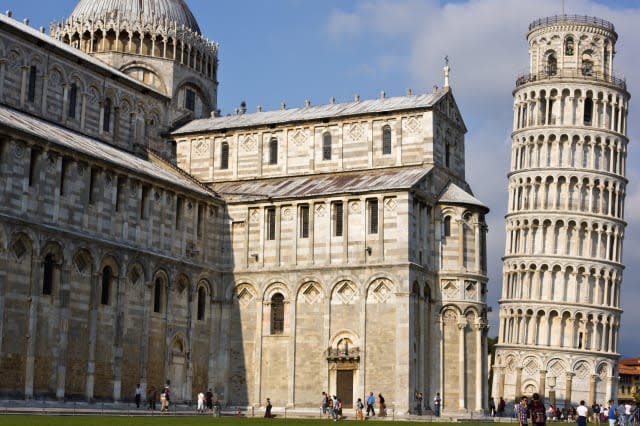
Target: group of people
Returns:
[152, 397]
[332, 406]
[206, 401]
[535, 412]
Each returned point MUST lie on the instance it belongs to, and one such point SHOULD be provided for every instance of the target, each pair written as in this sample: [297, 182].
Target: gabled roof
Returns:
[84, 145]
[362, 181]
[319, 112]
[453, 194]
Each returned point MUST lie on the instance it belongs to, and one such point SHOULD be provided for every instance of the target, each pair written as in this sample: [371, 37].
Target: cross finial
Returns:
[446, 60]
[446, 71]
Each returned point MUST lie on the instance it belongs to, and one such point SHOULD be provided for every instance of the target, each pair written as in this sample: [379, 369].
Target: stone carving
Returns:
[582, 369]
[18, 151]
[286, 214]
[344, 293]
[310, 294]
[390, 204]
[19, 249]
[248, 143]
[355, 206]
[299, 137]
[531, 366]
[449, 289]
[471, 290]
[356, 132]
[411, 125]
[254, 215]
[320, 210]
[202, 148]
[380, 291]
[81, 265]
[245, 295]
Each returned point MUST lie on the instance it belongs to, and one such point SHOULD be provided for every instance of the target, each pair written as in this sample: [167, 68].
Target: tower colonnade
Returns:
[562, 270]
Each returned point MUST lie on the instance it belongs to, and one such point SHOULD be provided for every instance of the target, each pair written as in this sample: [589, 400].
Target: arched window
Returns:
[386, 140]
[552, 64]
[47, 276]
[273, 151]
[224, 156]
[568, 46]
[588, 111]
[106, 115]
[107, 275]
[447, 155]
[447, 226]
[202, 303]
[158, 293]
[73, 101]
[277, 314]
[587, 67]
[31, 89]
[326, 146]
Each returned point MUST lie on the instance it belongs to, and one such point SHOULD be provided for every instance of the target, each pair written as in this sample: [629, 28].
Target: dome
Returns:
[175, 11]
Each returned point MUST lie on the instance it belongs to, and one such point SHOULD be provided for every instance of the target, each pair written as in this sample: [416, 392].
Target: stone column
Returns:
[462, 385]
[23, 85]
[518, 388]
[291, 367]
[568, 390]
[64, 297]
[593, 379]
[461, 244]
[144, 342]
[500, 372]
[34, 291]
[45, 87]
[543, 386]
[93, 325]
[479, 382]
[118, 336]
[3, 68]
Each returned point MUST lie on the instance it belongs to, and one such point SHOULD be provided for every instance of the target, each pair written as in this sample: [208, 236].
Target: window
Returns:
[273, 151]
[587, 68]
[47, 278]
[120, 196]
[304, 221]
[224, 156]
[568, 46]
[200, 223]
[73, 101]
[92, 185]
[31, 89]
[202, 303]
[144, 203]
[106, 115]
[158, 291]
[552, 65]
[386, 140]
[271, 224]
[447, 226]
[33, 166]
[372, 212]
[179, 206]
[107, 275]
[337, 219]
[447, 155]
[277, 314]
[63, 175]
[190, 100]
[326, 146]
[588, 111]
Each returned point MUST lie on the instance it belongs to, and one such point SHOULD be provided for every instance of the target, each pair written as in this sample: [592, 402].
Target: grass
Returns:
[40, 420]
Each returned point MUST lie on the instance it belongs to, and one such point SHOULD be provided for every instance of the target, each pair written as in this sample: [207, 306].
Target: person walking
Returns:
[208, 399]
[201, 399]
[325, 403]
[501, 405]
[359, 408]
[152, 396]
[382, 409]
[267, 409]
[370, 401]
[522, 412]
[419, 399]
[437, 402]
[336, 408]
[138, 395]
[612, 414]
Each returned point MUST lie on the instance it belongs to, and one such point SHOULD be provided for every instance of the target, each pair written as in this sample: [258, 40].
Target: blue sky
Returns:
[291, 50]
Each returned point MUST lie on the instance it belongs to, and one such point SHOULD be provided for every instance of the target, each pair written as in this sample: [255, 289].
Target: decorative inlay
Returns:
[134, 277]
[531, 366]
[356, 132]
[344, 293]
[19, 249]
[202, 148]
[556, 368]
[582, 369]
[286, 214]
[310, 294]
[108, 180]
[81, 264]
[299, 137]
[157, 196]
[390, 204]
[603, 371]
[54, 79]
[450, 289]
[254, 215]
[450, 316]
[18, 151]
[511, 364]
[248, 143]
[320, 210]
[51, 161]
[355, 206]
[244, 296]
[80, 169]
[411, 125]
[380, 291]
[470, 289]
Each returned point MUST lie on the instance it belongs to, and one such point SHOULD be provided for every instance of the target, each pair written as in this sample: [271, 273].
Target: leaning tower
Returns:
[562, 272]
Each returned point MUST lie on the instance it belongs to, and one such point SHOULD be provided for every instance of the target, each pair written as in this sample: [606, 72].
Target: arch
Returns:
[344, 292]
[273, 150]
[224, 155]
[277, 313]
[326, 146]
[309, 292]
[386, 140]
[160, 286]
[551, 62]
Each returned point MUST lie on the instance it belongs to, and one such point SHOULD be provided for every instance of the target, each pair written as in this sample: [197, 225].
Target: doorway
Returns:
[344, 387]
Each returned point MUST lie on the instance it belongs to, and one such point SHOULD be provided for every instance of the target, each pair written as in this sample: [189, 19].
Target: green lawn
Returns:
[39, 420]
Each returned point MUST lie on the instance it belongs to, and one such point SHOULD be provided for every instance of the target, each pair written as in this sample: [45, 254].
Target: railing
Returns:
[619, 82]
[577, 19]
[345, 353]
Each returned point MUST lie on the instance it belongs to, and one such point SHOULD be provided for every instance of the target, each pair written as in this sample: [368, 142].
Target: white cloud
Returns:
[486, 43]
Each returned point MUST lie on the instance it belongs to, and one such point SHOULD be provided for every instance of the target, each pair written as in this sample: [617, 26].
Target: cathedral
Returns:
[145, 238]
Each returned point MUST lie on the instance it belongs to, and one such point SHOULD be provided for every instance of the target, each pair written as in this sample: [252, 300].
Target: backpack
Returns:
[538, 413]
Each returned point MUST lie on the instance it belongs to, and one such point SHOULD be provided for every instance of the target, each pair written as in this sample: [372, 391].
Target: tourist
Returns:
[521, 412]
[382, 409]
[370, 401]
[501, 405]
[152, 396]
[595, 410]
[325, 403]
[359, 408]
[612, 413]
[138, 395]
[437, 401]
[267, 410]
[201, 399]
[208, 397]
[582, 412]
[538, 413]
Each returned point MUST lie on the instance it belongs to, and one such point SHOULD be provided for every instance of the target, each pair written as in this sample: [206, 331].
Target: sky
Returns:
[291, 50]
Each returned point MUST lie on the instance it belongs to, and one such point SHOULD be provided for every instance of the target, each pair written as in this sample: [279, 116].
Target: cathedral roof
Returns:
[319, 112]
[95, 149]
[453, 194]
[174, 11]
[323, 185]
